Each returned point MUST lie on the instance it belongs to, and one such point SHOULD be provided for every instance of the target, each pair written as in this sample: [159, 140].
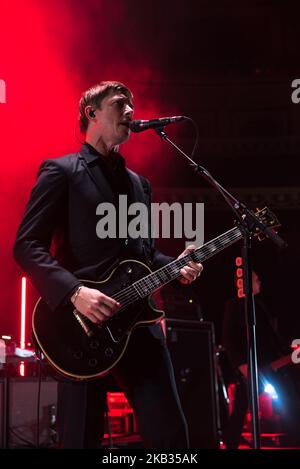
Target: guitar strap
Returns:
[145, 190]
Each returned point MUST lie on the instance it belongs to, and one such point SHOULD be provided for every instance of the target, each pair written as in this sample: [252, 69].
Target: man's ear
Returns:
[89, 112]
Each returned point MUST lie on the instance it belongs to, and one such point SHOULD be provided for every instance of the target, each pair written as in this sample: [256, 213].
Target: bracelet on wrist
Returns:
[75, 295]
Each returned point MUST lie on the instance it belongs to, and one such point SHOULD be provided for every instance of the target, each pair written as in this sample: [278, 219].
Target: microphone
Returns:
[140, 125]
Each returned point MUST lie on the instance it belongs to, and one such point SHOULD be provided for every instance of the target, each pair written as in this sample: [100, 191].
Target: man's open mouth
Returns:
[125, 123]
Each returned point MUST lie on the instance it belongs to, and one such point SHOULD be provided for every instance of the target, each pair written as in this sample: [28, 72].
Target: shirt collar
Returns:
[91, 154]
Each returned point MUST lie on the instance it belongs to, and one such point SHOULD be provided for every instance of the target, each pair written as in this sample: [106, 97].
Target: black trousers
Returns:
[145, 374]
[234, 428]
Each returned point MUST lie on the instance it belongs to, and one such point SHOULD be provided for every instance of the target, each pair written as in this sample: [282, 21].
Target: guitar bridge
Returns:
[83, 323]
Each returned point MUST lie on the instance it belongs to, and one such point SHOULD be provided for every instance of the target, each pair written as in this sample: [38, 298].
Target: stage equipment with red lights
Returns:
[239, 277]
[121, 417]
[19, 401]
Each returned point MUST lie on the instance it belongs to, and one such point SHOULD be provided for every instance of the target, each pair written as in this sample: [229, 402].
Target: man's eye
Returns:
[121, 104]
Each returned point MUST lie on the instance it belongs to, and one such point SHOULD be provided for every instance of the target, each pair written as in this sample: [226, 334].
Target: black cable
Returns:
[110, 439]
[38, 403]
[197, 136]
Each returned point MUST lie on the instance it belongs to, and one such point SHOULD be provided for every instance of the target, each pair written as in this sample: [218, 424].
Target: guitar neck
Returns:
[280, 362]
[169, 272]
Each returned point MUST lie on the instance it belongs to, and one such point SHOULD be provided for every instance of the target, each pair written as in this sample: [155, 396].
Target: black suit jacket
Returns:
[56, 242]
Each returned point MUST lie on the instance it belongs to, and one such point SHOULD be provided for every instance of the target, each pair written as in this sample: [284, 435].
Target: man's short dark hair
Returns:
[95, 95]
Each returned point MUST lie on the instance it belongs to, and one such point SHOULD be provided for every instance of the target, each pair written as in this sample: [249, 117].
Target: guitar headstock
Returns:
[268, 218]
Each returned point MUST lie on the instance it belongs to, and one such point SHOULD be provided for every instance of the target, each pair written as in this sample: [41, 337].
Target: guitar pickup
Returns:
[83, 323]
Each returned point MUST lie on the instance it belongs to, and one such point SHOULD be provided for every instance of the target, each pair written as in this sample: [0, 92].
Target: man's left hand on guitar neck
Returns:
[192, 270]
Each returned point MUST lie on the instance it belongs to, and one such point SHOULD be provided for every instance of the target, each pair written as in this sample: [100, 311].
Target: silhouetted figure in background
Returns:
[269, 350]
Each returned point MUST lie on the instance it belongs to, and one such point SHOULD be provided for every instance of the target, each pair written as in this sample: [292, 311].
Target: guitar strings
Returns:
[169, 269]
[132, 293]
[165, 272]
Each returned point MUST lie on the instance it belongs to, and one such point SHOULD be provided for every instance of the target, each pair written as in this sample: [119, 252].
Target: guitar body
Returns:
[79, 349]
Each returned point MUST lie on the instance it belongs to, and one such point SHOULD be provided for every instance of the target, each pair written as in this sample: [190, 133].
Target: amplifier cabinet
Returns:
[192, 348]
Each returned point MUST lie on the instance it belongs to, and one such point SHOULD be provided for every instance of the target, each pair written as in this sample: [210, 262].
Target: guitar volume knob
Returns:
[78, 354]
[108, 352]
[94, 344]
[93, 362]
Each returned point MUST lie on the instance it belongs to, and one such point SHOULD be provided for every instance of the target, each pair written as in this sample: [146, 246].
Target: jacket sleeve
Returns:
[33, 240]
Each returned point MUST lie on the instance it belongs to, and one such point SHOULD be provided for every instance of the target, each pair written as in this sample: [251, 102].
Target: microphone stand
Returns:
[248, 223]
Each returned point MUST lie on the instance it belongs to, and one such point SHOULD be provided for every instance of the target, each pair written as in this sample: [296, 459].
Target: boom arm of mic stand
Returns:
[245, 216]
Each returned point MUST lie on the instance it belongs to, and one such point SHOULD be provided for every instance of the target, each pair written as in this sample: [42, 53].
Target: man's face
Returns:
[256, 283]
[113, 117]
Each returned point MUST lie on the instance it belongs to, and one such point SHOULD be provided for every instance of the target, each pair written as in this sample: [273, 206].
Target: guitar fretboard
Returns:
[147, 285]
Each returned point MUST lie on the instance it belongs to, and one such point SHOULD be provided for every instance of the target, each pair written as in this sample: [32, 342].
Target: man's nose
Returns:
[128, 111]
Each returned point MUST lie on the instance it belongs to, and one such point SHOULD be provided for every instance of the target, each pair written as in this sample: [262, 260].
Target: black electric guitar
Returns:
[78, 348]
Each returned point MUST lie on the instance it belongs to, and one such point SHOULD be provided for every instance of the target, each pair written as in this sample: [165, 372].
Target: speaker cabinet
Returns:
[19, 401]
[192, 348]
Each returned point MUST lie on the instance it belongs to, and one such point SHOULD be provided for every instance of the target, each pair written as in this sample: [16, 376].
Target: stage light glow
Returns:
[269, 389]
[23, 313]
[22, 369]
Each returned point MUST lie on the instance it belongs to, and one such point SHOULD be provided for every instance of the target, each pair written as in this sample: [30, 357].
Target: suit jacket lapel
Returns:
[94, 171]
[138, 194]
[89, 160]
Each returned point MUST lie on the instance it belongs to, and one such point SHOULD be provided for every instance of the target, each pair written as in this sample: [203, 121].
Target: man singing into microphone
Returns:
[61, 214]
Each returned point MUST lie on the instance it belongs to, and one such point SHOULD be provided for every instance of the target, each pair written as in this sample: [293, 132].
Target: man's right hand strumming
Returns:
[93, 304]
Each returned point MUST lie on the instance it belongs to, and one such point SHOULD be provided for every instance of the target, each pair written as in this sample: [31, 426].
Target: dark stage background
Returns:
[227, 64]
